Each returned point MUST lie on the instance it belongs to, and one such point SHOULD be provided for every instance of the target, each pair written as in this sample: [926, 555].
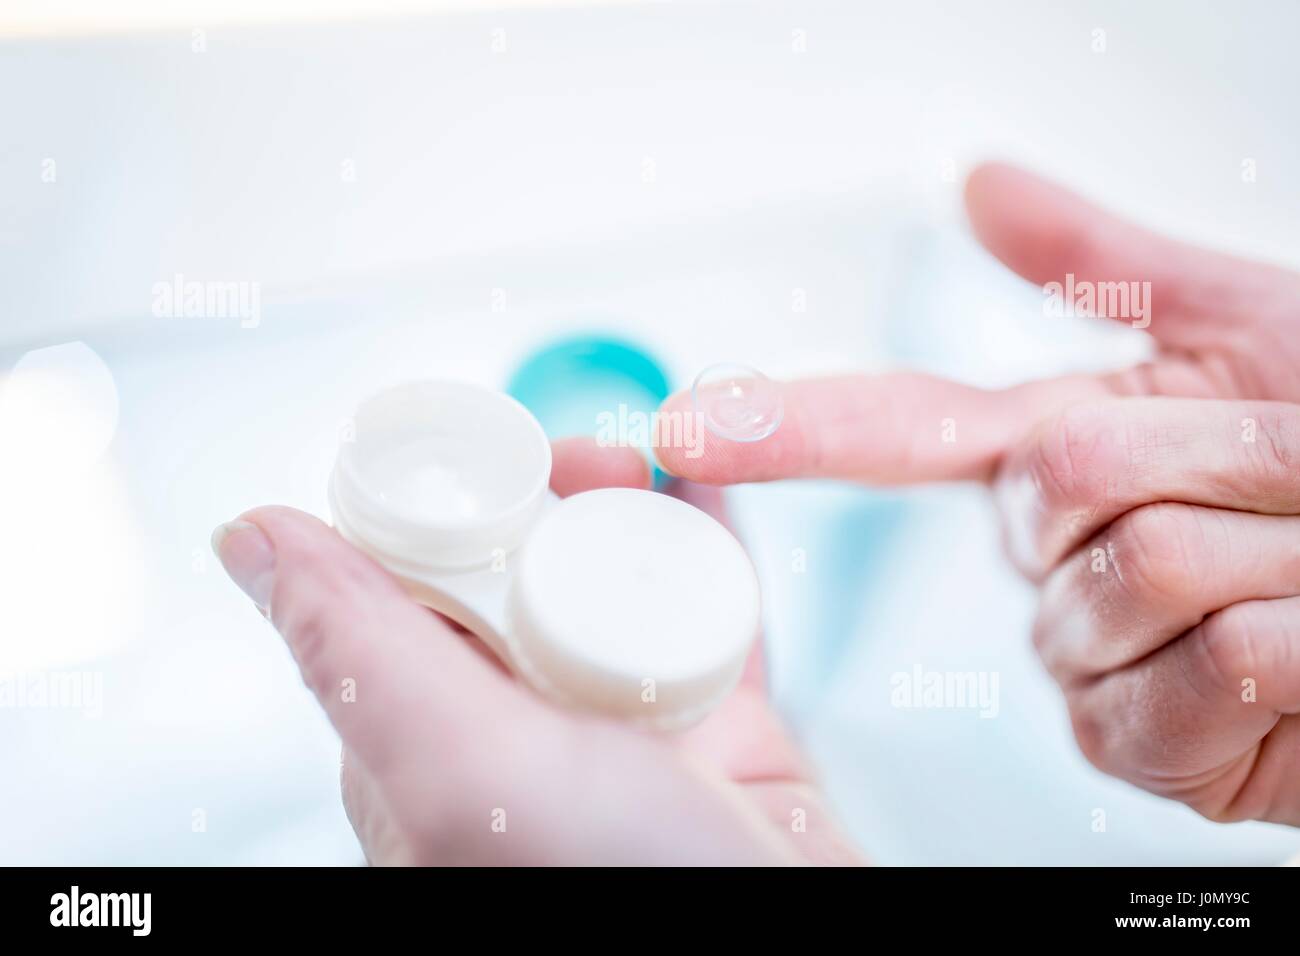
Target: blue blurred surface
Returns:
[569, 383]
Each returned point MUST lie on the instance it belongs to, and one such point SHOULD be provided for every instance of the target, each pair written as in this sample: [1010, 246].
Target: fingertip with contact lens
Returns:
[737, 403]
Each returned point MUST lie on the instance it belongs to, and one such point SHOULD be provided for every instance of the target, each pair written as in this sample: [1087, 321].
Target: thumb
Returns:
[884, 429]
[393, 678]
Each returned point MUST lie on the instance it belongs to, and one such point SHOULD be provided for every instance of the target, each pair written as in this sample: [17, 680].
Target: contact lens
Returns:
[737, 402]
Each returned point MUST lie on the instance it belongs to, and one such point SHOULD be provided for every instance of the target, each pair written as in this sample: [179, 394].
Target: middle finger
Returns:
[1098, 460]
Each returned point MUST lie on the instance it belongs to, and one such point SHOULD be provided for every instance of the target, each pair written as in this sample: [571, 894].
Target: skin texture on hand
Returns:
[1170, 615]
[449, 760]
[1157, 505]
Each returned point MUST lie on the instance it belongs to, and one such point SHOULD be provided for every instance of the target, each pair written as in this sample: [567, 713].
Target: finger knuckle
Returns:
[307, 633]
[1042, 636]
[1231, 796]
[1270, 437]
[1047, 634]
[1234, 644]
[315, 603]
[1064, 465]
[1093, 737]
[1156, 552]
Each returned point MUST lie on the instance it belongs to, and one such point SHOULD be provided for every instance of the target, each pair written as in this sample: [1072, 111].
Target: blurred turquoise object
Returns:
[569, 384]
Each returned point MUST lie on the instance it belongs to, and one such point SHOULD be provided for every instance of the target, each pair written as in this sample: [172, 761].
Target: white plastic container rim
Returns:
[441, 475]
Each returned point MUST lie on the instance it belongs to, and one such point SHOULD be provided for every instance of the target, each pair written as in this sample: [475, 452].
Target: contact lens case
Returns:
[619, 601]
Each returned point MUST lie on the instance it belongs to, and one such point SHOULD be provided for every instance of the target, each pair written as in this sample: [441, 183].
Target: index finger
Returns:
[889, 429]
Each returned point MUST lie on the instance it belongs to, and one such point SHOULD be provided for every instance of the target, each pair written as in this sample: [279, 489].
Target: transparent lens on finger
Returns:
[737, 402]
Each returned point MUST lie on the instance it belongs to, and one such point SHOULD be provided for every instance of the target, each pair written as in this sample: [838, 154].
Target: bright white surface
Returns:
[676, 172]
[52, 17]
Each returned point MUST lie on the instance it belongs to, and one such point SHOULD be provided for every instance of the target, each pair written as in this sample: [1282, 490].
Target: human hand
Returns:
[1198, 594]
[449, 760]
[1170, 613]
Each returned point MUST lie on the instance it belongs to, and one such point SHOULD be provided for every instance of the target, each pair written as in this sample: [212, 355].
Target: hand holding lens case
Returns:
[619, 601]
